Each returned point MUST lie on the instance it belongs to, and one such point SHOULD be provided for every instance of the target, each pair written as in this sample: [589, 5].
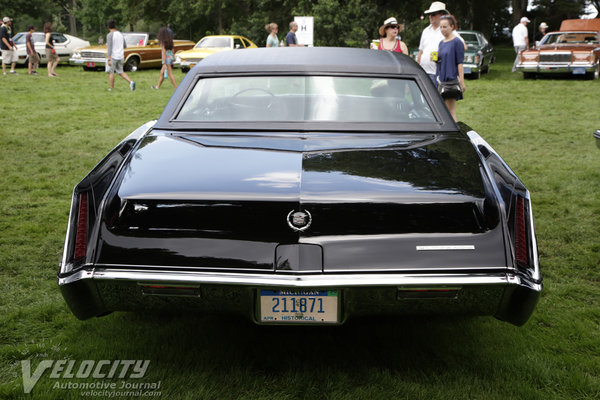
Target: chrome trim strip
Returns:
[299, 281]
[446, 247]
[135, 267]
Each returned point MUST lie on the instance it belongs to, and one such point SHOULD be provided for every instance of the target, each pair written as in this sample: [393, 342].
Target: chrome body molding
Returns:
[446, 247]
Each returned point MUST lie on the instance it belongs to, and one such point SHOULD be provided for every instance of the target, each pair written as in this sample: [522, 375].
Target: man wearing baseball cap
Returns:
[9, 50]
[520, 38]
[431, 38]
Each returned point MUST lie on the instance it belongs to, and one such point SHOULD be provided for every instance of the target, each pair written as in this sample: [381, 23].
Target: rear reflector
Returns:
[82, 227]
[170, 290]
[520, 233]
[428, 293]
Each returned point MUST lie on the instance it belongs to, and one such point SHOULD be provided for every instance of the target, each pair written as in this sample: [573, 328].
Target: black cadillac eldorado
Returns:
[303, 185]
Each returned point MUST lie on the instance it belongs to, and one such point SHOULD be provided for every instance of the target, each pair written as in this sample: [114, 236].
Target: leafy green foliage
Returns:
[337, 23]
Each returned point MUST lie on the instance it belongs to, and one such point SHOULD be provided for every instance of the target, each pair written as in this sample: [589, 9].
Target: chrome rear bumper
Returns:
[507, 296]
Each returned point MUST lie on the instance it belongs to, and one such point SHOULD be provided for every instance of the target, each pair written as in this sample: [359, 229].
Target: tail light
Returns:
[82, 228]
[521, 244]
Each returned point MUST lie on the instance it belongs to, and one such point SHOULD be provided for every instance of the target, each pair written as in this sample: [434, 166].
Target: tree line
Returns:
[347, 23]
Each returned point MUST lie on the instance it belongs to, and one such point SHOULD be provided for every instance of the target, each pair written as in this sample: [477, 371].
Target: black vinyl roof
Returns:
[309, 59]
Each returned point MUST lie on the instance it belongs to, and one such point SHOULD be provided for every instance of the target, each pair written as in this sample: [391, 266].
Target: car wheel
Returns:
[132, 64]
[185, 70]
[476, 75]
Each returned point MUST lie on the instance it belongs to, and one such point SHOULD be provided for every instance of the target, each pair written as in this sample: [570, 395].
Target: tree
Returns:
[519, 8]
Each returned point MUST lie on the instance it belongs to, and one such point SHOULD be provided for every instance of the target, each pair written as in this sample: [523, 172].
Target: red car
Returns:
[574, 50]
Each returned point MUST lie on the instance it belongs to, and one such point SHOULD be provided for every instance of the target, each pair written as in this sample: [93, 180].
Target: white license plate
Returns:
[299, 306]
[467, 70]
[578, 71]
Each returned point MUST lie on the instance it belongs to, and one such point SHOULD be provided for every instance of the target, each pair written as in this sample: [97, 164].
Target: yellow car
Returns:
[209, 45]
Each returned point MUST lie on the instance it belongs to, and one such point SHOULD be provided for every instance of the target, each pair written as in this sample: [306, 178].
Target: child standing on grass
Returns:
[166, 45]
[32, 55]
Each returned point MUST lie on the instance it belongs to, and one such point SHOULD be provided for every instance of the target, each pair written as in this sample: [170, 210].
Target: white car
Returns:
[64, 44]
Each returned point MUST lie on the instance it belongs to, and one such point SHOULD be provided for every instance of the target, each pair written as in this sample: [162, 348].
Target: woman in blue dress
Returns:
[451, 54]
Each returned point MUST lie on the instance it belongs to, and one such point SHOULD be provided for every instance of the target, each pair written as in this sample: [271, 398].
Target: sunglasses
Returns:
[393, 26]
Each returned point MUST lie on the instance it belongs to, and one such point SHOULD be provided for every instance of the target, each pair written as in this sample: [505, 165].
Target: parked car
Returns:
[574, 50]
[64, 44]
[210, 45]
[597, 137]
[479, 54]
[303, 185]
[142, 51]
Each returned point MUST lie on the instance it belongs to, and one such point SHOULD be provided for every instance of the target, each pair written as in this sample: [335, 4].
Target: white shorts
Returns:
[9, 56]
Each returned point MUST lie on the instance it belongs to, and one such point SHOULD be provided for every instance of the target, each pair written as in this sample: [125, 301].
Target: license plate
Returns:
[91, 64]
[467, 70]
[299, 306]
[578, 71]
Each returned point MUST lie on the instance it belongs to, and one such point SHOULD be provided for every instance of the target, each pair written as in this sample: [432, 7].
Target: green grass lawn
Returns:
[54, 130]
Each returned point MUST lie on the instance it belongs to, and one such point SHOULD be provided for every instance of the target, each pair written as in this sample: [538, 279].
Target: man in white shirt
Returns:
[431, 38]
[520, 38]
[115, 53]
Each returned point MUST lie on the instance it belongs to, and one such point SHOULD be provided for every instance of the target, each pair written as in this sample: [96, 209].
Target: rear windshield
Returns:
[306, 98]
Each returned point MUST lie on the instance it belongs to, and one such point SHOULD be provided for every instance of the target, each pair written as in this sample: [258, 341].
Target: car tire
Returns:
[185, 70]
[132, 64]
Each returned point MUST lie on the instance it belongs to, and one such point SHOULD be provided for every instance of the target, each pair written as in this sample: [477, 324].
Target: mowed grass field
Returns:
[54, 130]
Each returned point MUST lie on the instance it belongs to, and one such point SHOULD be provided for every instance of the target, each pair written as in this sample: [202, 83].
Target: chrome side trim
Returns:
[299, 281]
[449, 247]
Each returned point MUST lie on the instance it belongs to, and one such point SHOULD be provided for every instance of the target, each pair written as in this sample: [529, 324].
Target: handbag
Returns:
[450, 89]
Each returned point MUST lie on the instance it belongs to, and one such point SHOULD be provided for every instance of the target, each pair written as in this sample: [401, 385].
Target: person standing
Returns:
[272, 40]
[165, 39]
[430, 39]
[32, 55]
[290, 39]
[450, 71]
[8, 48]
[539, 35]
[389, 37]
[520, 38]
[115, 54]
[51, 56]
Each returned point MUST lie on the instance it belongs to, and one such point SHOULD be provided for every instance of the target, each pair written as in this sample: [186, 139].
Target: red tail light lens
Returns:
[82, 228]
[520, 232]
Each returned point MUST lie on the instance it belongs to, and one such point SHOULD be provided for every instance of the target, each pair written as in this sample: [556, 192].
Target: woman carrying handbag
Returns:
[450, 72]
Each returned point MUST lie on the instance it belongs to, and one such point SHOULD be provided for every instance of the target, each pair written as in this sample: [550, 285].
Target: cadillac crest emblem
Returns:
[299, 220]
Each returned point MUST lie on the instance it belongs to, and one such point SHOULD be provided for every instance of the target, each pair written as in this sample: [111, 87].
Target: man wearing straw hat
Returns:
[431, 38]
